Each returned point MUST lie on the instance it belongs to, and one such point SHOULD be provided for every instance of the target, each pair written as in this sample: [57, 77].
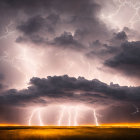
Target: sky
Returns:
[69, 61]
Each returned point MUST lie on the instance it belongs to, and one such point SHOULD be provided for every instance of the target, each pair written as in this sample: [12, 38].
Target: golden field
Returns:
[106, 132]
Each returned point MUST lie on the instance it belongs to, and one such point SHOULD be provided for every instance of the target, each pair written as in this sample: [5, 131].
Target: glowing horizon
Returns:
[69, 62]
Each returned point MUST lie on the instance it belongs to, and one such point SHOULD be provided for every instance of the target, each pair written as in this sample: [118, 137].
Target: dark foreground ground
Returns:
[68, 133]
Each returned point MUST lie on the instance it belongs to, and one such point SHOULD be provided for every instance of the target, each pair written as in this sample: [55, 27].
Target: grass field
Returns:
[69, 133]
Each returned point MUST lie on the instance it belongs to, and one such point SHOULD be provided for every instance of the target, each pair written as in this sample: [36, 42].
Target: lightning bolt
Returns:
[39, 116]
[38, 111]
[61, 115]
[95, 117]
[22, 61]
[70, 110]
[122, 3]
[8, 32]
[6, 57]
[23, 58]
[76, 116]
[69, 118]
[30, 63]
[72, 120]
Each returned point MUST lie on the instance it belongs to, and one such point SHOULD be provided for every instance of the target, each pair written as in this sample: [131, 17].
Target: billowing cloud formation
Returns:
[100, 50]
[69, 89]
[128, 60]
[66, 40]
[78, 36]
[85, 24]
[58, 90]
[47, 25]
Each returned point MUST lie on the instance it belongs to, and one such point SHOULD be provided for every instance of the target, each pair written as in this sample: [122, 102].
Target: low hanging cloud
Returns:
[58, 89]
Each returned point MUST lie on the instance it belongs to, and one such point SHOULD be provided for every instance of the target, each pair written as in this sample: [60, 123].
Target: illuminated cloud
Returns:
[69, 89]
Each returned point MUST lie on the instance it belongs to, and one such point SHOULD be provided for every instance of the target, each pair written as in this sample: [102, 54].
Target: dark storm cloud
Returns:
[128, 60]
[100, 50]
[37, 23]
[69, 89]
[35, 27]
[118, 38]
[121, 36]
[67, 40]
[32, 25]
[77, 16]
[69, 24]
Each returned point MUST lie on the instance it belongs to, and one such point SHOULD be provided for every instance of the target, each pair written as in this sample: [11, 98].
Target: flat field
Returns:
[69, 133]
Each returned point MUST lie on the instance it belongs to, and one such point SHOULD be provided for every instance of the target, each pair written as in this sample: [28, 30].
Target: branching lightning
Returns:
[24, 58]
[122, 3]
[38, 112]
[73, 113]
[7, 32]
[23, 62]
[68, 114]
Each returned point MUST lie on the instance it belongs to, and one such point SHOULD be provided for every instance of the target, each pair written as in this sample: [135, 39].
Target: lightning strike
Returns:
[25, 59]
[38, 112]
[76, 116]
[70, 110]
[69, 118]
[69, 113]
[73, 113]
[61, 115]
[20, 61]
[39, 116]
[95, 117]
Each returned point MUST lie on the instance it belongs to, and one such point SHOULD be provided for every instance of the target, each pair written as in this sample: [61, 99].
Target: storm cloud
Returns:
[128, 60]
[84, 24]
[70, 89]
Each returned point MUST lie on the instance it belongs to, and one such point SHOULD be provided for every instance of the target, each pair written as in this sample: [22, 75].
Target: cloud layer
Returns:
[70, 89]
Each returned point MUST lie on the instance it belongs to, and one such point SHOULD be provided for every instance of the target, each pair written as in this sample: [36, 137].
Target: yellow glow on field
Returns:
[69, 132]
[84, 125]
